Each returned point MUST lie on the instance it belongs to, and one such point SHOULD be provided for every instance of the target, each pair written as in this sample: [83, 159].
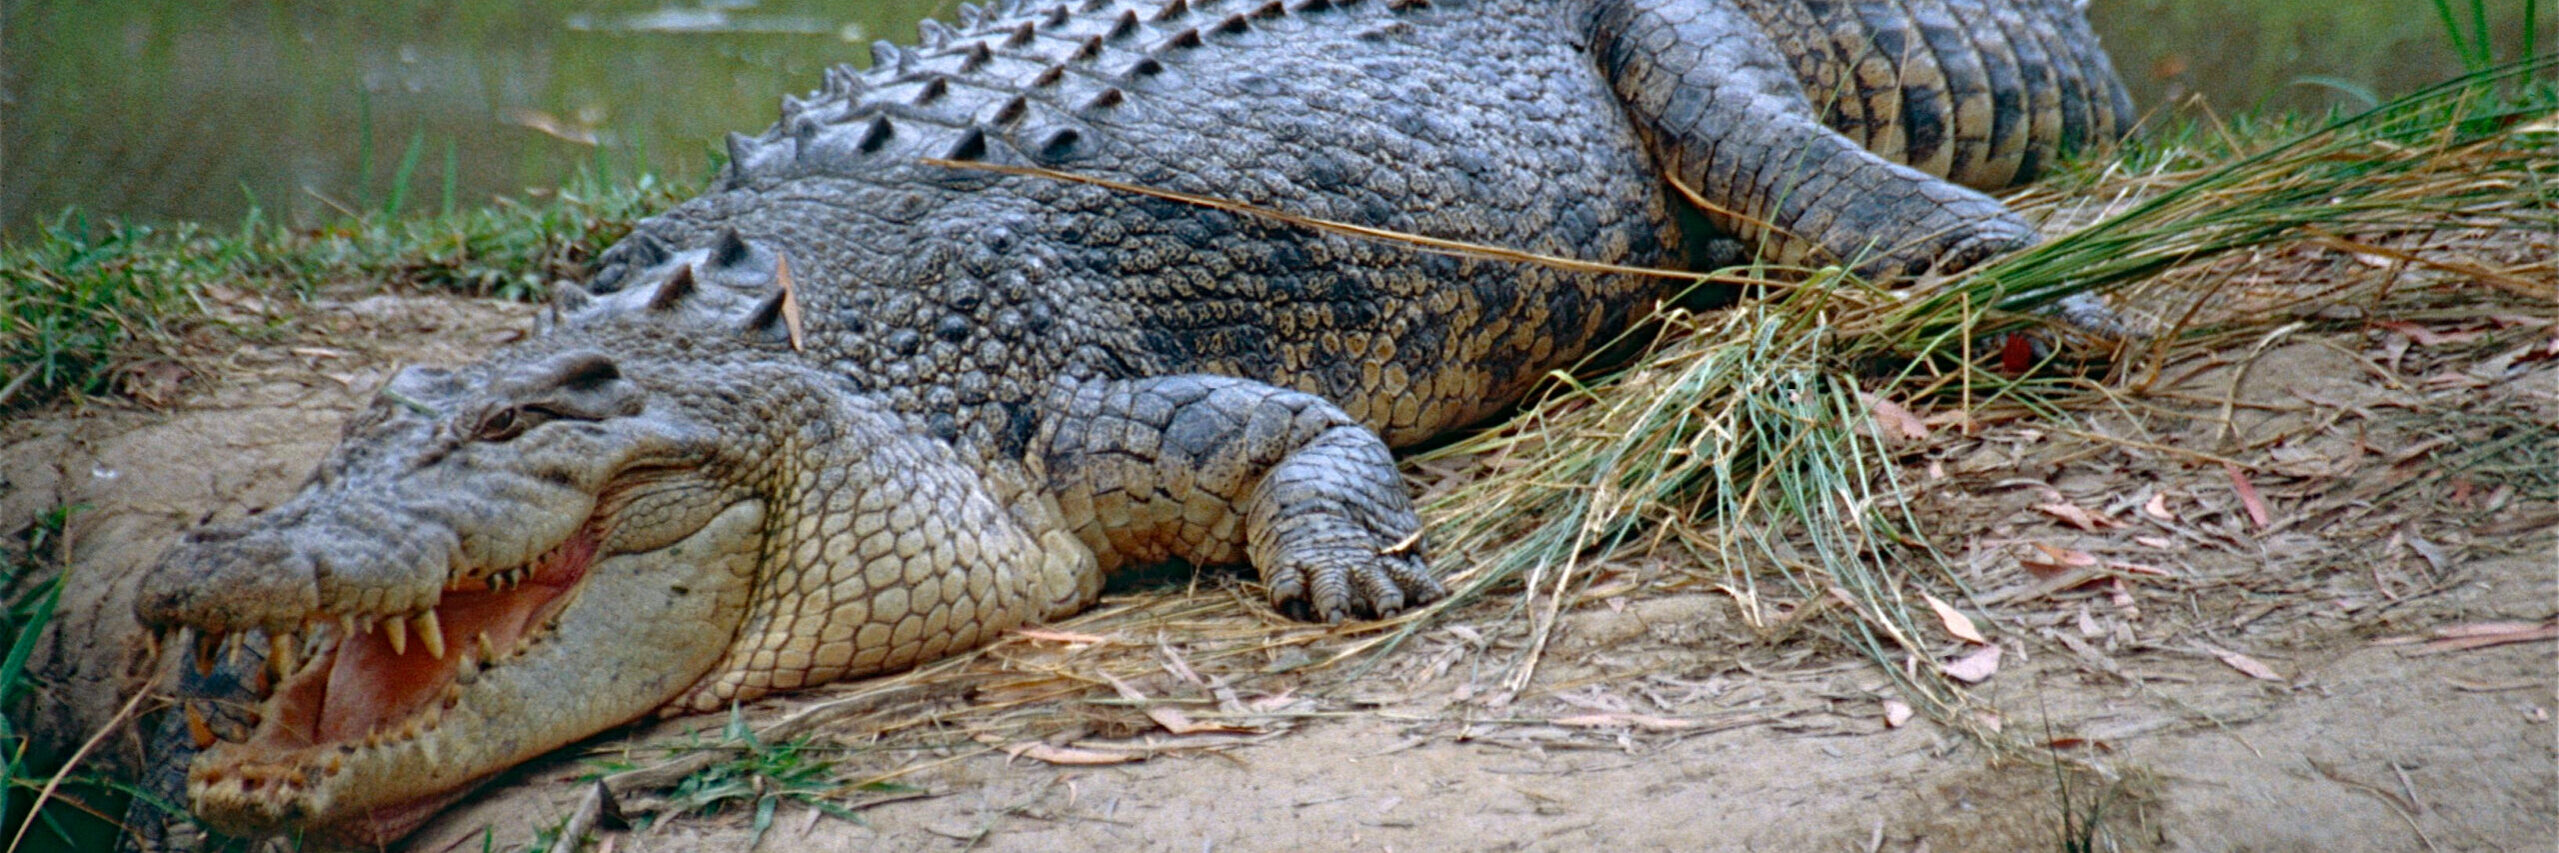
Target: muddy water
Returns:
[303, 111]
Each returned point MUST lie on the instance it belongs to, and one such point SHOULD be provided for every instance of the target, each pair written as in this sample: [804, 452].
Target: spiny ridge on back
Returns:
[1016, 82]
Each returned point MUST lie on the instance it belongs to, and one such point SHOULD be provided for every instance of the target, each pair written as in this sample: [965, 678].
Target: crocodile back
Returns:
[960, 293]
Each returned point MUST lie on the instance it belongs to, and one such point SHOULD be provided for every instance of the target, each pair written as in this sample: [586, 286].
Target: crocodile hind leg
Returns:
[1730, 122]
[1215, 470]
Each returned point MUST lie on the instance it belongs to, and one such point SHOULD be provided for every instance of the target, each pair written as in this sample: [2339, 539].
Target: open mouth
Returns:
[345, 683]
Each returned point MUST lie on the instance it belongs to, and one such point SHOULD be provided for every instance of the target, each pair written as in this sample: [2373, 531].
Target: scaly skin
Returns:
[853, 409]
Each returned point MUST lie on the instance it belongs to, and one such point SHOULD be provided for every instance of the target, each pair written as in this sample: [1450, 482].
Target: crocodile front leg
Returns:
[1213, 470]
[1732, 124]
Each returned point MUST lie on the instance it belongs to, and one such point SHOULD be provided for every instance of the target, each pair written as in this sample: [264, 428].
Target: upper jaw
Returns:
[620, 641]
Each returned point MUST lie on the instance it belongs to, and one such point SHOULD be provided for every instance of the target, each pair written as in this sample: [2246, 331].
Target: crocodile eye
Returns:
[502, 424]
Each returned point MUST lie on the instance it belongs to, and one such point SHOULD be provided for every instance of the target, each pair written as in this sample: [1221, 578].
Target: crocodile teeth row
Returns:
[395, 630]
[289, 651]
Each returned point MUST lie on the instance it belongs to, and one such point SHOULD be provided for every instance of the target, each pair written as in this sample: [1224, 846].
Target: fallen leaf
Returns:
[2058, 561]
[2482, 635]
[1055, 754]
[2139, 569]
[2426, 337]
[1956, 622]
[1891, 420]
[2248, 665]
[2434, 554]
[1172, 719]
[155, 383]
[1646, 722]
[1896, 713]
[2248, 496]
[2157, 507]
[1063, 636]
[1976, 666]
[2077, 517]
[2119, 595]
[2485, 629]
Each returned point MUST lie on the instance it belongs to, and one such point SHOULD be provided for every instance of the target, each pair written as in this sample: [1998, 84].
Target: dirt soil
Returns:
[2339, 640]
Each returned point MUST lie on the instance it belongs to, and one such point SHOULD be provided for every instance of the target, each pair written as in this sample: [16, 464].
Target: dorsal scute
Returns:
[716, 280]
[1013, 81]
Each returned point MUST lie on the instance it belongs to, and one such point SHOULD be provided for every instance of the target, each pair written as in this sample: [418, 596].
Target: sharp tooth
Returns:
[488, 652]
[346, 624]
[205, 645]
[197, 729]
[151, 642]
[466, 670]
[231, 648]
[432, 632]
[397, 629]
[284, 654]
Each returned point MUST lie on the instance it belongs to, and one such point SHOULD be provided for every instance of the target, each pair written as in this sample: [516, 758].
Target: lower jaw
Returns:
[370, 828]
[378, 828]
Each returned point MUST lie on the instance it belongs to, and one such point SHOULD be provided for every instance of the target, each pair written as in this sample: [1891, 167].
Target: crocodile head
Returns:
[495, 561]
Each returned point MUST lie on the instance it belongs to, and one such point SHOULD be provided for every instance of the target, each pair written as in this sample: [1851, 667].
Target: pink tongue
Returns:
[370, 686]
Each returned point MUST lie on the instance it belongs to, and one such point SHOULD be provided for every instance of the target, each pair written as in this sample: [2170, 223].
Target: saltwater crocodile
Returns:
[862, 404]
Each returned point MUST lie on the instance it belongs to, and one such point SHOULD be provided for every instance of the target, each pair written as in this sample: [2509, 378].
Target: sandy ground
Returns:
[2229, 682]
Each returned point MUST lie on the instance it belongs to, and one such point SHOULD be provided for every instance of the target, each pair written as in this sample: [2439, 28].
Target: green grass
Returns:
[2470, 36]
[746, 774]
[760, 778]
[34, 591]
[84, 298]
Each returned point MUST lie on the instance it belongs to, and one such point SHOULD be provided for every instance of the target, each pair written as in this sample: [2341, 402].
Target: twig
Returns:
[56, 782]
